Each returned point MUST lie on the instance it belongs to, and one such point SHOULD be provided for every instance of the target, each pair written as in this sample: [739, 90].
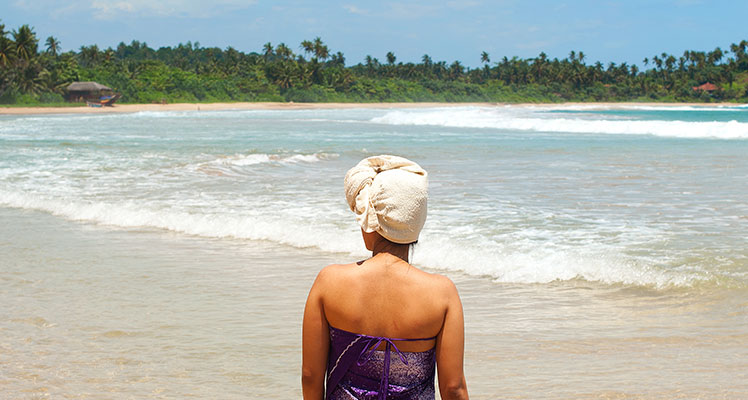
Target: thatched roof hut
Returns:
[87, 87]
[78, 91]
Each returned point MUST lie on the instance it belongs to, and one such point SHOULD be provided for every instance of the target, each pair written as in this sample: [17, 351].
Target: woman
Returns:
[379, 326]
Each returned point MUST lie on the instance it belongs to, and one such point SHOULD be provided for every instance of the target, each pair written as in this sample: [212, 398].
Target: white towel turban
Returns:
[389, 196]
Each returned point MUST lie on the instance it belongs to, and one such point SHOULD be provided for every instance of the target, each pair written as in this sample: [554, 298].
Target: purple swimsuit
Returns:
[356, 370]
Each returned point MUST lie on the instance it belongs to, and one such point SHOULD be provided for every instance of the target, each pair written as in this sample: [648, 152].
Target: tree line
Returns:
[188, 72]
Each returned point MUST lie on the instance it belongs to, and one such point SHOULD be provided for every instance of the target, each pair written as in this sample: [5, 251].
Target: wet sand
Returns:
[91, 311]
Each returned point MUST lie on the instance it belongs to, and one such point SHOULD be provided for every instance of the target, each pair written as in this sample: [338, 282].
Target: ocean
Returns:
[601, 252]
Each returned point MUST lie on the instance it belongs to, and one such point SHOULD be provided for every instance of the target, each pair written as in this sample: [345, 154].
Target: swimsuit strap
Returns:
[372, 342]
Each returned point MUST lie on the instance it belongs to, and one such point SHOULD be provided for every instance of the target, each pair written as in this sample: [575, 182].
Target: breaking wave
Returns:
[500, 261]
[508, 120]
[229, 165]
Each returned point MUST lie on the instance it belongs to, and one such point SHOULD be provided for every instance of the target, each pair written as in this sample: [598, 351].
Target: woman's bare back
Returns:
[386, 296]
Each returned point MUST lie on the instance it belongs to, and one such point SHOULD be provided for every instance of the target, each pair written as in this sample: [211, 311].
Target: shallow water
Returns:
[599, 253]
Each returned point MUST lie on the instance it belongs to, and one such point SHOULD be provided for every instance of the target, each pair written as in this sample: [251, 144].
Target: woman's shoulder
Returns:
[442, 283]
[334, 272]
[335, 269]
[433, 282]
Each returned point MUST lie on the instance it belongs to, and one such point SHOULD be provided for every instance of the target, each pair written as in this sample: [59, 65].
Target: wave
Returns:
[499, 261]
[228, 165]
[545, 264]
[500, 119]
[733, 108]
[640, 107]
[131, 214]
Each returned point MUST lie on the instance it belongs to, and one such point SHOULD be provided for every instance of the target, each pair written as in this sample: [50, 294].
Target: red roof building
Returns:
[707, 87]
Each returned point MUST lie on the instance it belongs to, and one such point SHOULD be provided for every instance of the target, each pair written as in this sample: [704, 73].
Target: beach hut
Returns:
[87, 91]
[707, 87]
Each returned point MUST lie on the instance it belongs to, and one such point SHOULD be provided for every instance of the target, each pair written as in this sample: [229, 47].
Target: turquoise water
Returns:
[514, 194]
[600, 253]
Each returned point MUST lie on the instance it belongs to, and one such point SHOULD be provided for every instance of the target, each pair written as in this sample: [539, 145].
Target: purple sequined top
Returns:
[357, 371]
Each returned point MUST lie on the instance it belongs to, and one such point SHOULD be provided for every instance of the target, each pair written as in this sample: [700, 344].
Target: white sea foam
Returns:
[244, 160]
[686, 108]
[624, 106]
[499, 119]
[502, 262]
[259, 158]
[543, 264]
[226, 165]
[130, 214]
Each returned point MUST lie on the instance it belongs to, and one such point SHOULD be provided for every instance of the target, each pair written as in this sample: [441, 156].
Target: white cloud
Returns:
[355, 10]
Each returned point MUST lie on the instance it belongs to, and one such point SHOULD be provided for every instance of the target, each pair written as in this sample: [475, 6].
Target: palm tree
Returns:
[657, 61]
[455, 70]
[89, 54]
[681, 63]
[728, 72]
[320, 49]
[283, 51]
[338, 59]
[738, 49]
[267, 50]
[53, 46]
[30, 78]
[7, 51]
[108, 55]
[484, 58]
[307, 46]
[391, 58]
[26, 42]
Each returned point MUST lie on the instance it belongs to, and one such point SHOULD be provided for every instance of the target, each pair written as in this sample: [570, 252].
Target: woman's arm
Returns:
[450, 348]
[315, 342]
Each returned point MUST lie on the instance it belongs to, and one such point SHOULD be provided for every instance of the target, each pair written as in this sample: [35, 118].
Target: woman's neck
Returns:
[400, 251]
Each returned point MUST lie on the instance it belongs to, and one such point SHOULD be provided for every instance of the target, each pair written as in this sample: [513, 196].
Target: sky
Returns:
[606, 31]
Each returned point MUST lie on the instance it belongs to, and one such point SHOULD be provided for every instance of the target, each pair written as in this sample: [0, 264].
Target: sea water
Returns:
[600, 252]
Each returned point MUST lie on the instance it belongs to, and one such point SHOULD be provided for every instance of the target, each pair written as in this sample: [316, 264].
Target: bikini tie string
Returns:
[368, 351]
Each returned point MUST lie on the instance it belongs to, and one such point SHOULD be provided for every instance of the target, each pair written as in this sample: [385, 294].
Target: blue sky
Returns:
[617, 31]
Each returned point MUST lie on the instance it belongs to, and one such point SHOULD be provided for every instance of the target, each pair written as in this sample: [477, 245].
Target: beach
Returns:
[150, 314]
[599, 250]
[130, 108]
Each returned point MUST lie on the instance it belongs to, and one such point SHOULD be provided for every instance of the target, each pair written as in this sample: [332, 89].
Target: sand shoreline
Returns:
[131, 108]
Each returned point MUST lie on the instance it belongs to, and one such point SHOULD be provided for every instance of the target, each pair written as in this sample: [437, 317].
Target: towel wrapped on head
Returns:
[389, 195]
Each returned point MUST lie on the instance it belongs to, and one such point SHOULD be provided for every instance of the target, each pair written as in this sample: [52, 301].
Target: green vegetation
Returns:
[191, 73]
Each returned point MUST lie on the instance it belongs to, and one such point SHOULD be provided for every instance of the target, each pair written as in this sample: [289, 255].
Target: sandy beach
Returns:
[131, 108]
